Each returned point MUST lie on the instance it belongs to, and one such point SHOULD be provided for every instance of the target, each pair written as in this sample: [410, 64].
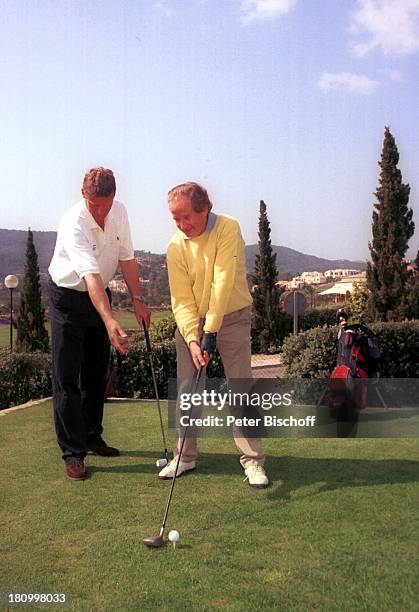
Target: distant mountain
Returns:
[293, 262]
[13, 249]
[289, 261]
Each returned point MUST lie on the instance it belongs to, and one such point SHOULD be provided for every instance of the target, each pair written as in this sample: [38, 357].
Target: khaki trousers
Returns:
[233, 343]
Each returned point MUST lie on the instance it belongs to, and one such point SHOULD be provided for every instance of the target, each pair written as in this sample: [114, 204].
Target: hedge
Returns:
[164, 329]
[24, 377]
[317, 317]
[135, 378]
[312, 354]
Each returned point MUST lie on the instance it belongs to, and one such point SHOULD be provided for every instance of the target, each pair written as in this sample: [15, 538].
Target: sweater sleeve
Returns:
[225, 265]
[184, 305]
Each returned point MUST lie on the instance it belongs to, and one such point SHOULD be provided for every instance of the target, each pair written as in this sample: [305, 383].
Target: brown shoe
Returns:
[99, 447]
[76, 470]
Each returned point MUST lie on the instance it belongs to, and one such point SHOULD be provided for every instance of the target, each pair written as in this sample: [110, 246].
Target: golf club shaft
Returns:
[169, 499]
[150, 357]
[381, 398]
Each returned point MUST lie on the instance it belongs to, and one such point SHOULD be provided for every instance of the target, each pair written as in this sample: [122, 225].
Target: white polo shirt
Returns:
[82, 247]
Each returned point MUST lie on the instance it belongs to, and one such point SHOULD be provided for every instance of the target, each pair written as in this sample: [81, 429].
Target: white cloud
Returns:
[164, 10]
[347, 81]
[389, 25]
[264, 10]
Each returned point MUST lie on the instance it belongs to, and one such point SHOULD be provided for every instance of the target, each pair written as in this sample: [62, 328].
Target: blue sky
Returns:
[281, 100]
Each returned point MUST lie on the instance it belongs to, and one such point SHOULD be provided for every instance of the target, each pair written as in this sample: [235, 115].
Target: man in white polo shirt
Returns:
[93, 238]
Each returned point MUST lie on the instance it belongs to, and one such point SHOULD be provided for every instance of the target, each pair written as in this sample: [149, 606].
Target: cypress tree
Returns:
[267, 319]
[31, 332]
[392, 227]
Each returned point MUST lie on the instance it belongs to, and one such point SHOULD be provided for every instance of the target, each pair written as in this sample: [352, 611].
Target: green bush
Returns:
[317, 317]
[312, 354]
[135, 378]
[313, 317]
[23, 377]
[285, 325]
[134, 374]
[164, 329]
[399, 345]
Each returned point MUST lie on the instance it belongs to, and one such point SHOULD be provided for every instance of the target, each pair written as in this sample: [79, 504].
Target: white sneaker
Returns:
[169, 470]
[256, 476]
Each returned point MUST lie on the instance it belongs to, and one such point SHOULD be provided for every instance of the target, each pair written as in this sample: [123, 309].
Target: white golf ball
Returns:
[174, 536]
[161, 462]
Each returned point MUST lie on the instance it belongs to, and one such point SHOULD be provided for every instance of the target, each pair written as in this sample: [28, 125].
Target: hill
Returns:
[289, 261]
[293, 262]
[13, 248]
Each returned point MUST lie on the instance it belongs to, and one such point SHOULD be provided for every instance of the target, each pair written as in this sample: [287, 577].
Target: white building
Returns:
[118, 286]
[296, 283]
[313, 278]
[341, 273]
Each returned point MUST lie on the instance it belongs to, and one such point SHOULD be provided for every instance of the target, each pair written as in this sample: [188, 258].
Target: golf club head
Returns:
[161, 463]
[155, 541]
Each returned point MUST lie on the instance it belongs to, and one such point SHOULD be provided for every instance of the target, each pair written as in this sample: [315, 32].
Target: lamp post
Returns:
[11, 282]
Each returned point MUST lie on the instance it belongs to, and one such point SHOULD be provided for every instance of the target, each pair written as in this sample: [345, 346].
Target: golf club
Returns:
[160, 462]
[156, 541]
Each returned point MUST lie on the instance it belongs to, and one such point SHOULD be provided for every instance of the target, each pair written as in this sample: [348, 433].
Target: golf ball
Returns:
[161, 462]
[174, 536]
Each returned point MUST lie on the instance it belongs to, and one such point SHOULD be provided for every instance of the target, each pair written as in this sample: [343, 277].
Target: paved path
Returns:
[267, 366]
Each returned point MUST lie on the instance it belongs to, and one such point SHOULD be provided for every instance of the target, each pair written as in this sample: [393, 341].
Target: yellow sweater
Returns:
[207, 277]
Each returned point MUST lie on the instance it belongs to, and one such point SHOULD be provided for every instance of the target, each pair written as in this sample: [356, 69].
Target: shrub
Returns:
[313, 317]
[23, 377]
[310, 354]
[317, 317]
[399, 346]
[313, 353]
[134, 374]
[284, 329]
[27, 376]
[164, 329]
[135, 378]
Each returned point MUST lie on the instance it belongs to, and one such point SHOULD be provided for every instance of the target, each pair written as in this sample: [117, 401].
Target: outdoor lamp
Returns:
[11, 282]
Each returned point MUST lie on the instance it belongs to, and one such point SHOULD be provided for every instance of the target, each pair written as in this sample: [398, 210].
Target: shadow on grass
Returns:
[332, 474]
[139, 453]
[289, 474]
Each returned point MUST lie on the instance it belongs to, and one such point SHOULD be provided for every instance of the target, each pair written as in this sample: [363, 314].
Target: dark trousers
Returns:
[80, 357]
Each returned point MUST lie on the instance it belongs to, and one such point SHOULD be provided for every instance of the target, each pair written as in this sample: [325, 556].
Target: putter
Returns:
[160, 462]
[157, 541]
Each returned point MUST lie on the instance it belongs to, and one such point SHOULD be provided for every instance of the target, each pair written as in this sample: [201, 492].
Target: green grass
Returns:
[126, 319]
[5, 336]
[337, 530]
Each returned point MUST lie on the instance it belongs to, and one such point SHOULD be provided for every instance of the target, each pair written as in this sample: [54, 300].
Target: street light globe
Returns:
[11, 281]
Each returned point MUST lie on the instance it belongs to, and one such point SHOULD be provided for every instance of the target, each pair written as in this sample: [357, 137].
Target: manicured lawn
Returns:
[127, 319]
[338, 530]
[5, 336]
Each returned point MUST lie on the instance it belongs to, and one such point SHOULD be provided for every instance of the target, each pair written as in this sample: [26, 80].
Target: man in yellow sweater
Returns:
[212, 307]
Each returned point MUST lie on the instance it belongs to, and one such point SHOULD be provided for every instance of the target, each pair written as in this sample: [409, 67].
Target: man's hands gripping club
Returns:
[202, 354]
[117, 335]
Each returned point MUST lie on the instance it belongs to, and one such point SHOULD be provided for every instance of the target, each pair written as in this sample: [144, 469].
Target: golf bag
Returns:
[358, 360]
